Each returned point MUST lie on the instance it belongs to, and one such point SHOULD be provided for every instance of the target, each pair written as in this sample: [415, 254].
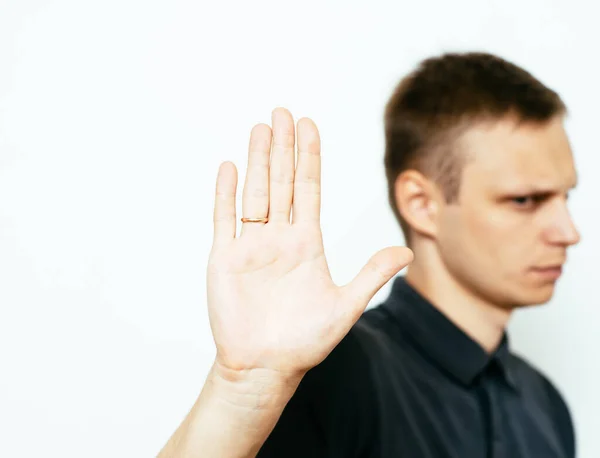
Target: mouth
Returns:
[548, 272]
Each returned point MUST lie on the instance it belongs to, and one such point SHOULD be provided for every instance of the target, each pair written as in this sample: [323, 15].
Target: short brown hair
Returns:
[441, 98]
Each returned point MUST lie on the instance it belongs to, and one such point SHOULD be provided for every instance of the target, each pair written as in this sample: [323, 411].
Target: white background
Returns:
[114, 117]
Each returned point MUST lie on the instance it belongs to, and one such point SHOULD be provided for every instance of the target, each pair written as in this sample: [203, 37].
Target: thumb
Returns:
[382, 266]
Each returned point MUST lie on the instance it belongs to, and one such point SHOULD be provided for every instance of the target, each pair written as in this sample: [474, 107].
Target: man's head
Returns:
[479, 167]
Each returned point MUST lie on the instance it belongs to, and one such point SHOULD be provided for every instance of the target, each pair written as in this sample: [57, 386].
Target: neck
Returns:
[481, 321]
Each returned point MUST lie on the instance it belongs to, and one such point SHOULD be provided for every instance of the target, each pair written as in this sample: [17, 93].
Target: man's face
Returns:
[506, 237]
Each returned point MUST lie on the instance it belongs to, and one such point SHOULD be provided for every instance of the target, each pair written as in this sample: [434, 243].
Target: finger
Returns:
[255, 198]
[382, 266]
[224, 210]
[307, 183]
[283, 162]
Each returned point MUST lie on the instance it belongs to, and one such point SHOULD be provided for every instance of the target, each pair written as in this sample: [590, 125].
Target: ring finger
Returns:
[255, 197]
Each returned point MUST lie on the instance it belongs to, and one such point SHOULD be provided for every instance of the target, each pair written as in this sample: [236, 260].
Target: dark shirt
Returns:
[406, 382]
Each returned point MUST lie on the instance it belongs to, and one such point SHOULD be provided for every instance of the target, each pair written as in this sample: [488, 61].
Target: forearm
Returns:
[233, 416]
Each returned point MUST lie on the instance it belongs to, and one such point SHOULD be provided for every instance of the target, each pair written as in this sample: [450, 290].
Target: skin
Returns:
[273, 307]
[502, 244]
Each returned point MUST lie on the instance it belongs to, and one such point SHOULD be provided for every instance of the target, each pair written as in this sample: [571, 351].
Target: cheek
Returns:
[483, 234]
[505, 238]
[491, 228]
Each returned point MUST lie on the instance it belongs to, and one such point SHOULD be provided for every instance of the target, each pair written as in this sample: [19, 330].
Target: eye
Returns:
[522, 200]
[529, 201]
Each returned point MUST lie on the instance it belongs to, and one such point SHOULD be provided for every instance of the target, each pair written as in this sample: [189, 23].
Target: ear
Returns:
[418, 200]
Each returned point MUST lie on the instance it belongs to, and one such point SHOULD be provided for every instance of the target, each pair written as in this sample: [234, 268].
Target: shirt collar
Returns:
[440, 339]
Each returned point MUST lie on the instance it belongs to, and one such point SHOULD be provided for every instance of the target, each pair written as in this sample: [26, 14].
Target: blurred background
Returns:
[114, 117]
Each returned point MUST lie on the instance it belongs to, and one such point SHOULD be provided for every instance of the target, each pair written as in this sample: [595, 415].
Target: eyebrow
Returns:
[532, 189]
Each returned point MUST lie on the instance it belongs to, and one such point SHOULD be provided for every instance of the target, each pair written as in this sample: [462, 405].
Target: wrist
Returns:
[255, 389]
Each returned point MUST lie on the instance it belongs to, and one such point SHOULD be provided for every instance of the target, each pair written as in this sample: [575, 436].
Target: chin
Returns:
[533, 296]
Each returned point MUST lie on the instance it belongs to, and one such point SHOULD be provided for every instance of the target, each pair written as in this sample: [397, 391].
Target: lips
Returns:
[549, 272]
[554, 267]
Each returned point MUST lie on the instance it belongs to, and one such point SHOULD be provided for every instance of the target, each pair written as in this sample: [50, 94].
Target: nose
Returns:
[563, 230]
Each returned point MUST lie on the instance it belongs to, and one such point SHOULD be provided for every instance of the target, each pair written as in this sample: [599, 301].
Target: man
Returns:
[479, 168]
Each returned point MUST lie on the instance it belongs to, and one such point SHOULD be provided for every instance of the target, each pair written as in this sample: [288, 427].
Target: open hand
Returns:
[271, 300]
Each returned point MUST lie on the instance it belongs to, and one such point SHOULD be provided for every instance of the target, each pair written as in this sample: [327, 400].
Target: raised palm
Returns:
[272, 302]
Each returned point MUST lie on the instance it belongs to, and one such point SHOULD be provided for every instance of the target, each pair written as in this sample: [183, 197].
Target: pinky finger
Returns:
[224, 211]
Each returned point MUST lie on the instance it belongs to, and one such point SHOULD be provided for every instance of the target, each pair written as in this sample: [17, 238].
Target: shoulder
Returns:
[346, 370]
[333, 412]
[537, 385]
[342, 385]
[531, 379]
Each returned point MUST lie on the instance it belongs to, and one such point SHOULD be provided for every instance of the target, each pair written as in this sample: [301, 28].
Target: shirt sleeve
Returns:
[333, 412]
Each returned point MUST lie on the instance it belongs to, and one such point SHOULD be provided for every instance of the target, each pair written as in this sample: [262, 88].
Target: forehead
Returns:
[504, 155]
